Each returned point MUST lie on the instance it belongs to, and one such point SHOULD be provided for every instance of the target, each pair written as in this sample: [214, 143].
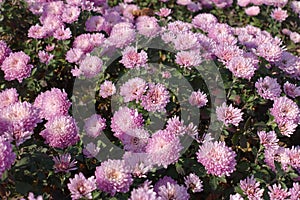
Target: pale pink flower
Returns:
[229, 114]
[198, 99]
[252, 11]
[81, 187]
[279, 15]
[107, 89]
[277, 193]
[132, 59]
[133, 89]
[251, 188]
[164, 12]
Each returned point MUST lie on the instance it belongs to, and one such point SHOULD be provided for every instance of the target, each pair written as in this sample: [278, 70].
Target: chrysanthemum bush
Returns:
[244, 143]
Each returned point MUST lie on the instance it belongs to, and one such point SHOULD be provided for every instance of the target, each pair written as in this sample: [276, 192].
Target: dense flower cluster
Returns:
[255, 125]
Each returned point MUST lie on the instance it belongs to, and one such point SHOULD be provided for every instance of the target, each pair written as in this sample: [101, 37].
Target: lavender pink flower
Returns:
[107, 89]
[132, 59]
[268, 88]
[4, 51]
[16, 66]
[90, 66]
[284, 110]
[277, 193]
[64, 163]
[188, 59]
[279, 14]
[156, 98]
[229, 114]
[7, 156]
[91, 150]
[125, 120]
[80, 187]
[295, 191]
[8, 97]
[61, 132]
[133, 89]
[193, 182]
[45, 57]
[217, 158]
[147, 26]
[144, 192]
[251, 188]
[94, 125]
[52, 103]
[113, 176]
[163, 148]
[292, 90]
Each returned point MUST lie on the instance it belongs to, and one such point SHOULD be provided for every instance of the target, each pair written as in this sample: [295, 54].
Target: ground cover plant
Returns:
[152, 100]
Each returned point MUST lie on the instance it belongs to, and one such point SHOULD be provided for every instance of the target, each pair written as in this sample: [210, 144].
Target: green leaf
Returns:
[23, 188]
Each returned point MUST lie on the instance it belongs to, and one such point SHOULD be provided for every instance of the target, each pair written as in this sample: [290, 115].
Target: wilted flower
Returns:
[63, 163]
[193, 182]
[251, 188]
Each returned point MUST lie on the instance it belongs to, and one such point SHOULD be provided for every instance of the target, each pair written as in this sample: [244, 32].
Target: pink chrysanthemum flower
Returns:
[156, 98]
[133, 89]
[132, 59]
[268, 88]
[84, 43]
[90, 66]
[37, 32]
[204, 21]
[8, 97]
[94, 125]
[198, 99]
[294, 157]
[241, 67]
[175, 126]
[135, 140]
[62, 33]
[193, 182]
[45, 57]
[287, 128]
[164, 12]
[268, 139]
[163, 181]
[94, 23]
[292, 90]
[80, 187]
[16, 66]
[63, 163]
[252, 11]
[113, 176]
[279, 15]
[229, 114]
[185, 41]
[277, 193]
[52, 103]
[295, 37]
[4, 51]
[122, 34]
[74, 55]
[107, 89]
[20, 118]
[270, 52]
[144, 192]
[7, 156]
[284, 110]
[125, 120]
[251, 188]
[61, 132]
[139, 163]
[164, 148]
[226, 52]
[147, 26]
[188, 59]
[295, 191]
[70, 14]
[91, 150]
[173, 191]
[217, 158]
